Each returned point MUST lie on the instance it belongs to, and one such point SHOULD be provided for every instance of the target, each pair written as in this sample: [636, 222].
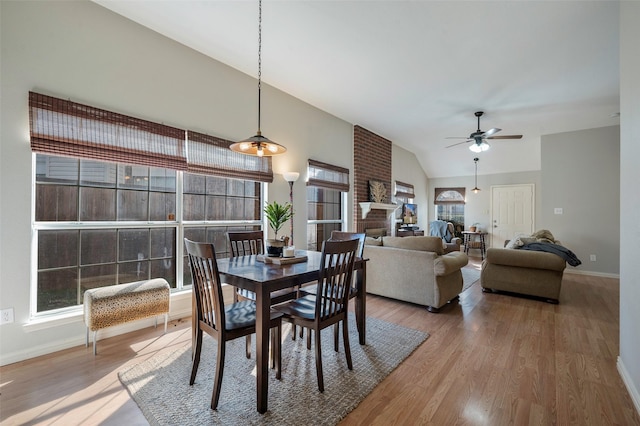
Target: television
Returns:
[409, 214]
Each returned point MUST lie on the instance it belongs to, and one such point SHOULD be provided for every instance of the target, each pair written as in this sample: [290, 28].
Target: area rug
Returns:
[470, 275]
[160, 385]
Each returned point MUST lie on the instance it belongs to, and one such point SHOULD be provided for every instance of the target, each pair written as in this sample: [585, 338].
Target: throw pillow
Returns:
[370, 241]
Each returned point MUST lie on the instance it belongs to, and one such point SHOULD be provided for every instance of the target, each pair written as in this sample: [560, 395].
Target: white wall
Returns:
[81, 51]
[406, 168]
[628, 363]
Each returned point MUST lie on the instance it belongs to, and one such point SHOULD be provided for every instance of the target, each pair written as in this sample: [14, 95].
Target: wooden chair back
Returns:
[343, 236]
[207, 287]
[244, 243]
[335, 277]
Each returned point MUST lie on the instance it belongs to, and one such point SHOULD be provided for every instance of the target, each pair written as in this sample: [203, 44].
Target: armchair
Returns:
[446, 231]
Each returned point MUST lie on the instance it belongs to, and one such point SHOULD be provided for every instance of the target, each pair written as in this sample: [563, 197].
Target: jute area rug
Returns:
[160, 385]
[470, 275]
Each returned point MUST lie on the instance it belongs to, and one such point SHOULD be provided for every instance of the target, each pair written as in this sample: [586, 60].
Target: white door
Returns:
[512, 212]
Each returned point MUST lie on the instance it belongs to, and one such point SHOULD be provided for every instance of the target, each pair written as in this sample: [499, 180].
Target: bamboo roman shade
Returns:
[327, 176]
[62, 127]
[404, 190]
[211, 155]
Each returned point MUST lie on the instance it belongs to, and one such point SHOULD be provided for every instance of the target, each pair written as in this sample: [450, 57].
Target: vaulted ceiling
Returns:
[415, 72]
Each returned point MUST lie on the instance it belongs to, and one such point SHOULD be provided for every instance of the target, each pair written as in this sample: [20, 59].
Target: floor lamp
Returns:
[291, 177]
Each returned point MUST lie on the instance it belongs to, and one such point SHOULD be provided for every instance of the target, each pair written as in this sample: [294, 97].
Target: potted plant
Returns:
[277, 215]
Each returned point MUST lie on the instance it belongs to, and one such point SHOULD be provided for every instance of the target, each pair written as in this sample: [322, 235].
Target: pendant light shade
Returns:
[475, 188]
[258, 145]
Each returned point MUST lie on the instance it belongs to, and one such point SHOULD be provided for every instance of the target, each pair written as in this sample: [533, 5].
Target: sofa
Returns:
[414, 269]
[516, 269]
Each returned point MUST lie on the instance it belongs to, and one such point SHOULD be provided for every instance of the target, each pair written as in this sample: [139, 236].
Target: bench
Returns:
[118, 304]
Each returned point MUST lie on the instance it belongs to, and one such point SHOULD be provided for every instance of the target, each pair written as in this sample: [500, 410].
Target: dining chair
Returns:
[244, 243]
[353, 291]
[222, 322]
[329, 305]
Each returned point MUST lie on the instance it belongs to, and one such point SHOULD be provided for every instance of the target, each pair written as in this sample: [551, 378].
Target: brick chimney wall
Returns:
[372, 161]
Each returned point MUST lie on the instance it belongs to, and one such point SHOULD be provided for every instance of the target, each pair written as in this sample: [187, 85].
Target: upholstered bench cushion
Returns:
[118, 304]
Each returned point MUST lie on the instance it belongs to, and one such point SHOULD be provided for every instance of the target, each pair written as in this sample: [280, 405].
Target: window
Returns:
[101, 224]
[404, 193]
[327, 189]
[449, 204]
[114, 196]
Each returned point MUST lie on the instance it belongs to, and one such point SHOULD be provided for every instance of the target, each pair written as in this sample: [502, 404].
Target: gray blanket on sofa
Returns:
[557, 249]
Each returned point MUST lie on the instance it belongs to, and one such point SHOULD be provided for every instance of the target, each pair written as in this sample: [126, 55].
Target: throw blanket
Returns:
[557, 249]
[439, 228]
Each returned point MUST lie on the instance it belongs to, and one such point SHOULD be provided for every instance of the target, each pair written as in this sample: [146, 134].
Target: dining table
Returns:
[263, 278]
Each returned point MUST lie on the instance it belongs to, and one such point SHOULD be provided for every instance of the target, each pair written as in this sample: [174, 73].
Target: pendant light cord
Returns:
[259, 59]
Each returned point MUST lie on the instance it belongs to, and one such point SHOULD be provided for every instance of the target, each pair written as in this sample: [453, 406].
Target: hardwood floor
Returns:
[490, 360]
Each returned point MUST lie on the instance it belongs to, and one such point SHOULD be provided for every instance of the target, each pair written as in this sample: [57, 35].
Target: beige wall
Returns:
[628, 364]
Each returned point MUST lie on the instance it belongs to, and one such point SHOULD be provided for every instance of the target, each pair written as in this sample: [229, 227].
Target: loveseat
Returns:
[518, 268]
[414, 269]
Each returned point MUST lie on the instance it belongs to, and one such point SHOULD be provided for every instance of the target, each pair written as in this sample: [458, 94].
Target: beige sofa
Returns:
[532, 273]
[414, 269]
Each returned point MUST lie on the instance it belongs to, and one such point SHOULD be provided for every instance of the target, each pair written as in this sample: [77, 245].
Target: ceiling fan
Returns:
[478, 137]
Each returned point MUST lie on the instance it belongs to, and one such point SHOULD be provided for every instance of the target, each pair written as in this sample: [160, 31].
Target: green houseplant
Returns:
[277, 215]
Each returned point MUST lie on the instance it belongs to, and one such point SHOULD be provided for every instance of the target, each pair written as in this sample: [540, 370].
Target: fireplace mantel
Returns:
[367, 207]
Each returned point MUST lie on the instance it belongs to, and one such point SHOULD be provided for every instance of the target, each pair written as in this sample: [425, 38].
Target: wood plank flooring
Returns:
[490, 360]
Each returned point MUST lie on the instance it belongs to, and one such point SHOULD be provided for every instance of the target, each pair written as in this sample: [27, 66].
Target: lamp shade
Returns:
[291, 176]
[258, 145]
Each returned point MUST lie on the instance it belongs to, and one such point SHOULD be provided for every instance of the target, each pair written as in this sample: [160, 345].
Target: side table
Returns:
[474, 240]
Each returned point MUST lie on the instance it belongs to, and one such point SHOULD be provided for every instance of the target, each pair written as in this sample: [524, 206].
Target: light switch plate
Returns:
[557, 210]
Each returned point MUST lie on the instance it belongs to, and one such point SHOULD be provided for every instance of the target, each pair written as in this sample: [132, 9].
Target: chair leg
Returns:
[196, 357]
[293, 332]
[248, 347]
[309, 338]
[318, 360]
[347, 348]
[336, 335]
[278, 351]
[272, 349]
[217, 381]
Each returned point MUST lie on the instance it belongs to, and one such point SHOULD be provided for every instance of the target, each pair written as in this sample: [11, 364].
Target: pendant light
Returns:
[258, 145]
[475, 188]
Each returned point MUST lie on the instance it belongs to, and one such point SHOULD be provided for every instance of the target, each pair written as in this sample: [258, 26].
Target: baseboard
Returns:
[48, 348]
[592, 273]
[626, 378]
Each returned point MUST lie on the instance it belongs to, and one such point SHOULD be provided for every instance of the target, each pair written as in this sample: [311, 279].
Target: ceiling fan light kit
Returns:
[258, 145]
[479, 137]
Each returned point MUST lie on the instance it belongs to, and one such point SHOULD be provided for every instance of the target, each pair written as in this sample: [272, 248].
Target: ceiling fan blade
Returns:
[506, 137]
[491, 132]
[456, 137]
[460, 143]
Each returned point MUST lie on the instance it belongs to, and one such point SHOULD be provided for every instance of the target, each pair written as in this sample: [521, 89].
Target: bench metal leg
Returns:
[86, 340]
[166, 319]
[95, 335]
